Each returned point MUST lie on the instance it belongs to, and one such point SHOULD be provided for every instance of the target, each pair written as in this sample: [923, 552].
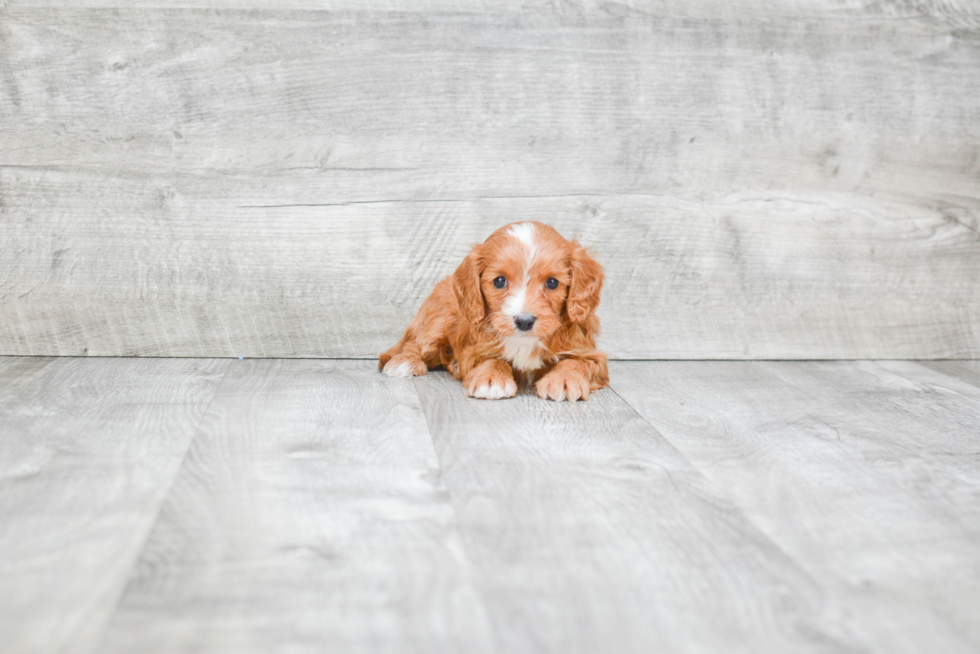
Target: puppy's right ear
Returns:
[466, 284]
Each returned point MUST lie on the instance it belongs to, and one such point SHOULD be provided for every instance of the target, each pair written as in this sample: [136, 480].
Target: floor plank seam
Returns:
[826, 423]
[163, 499]
[471, 564]
[786, 506]
[715, 487]
[654, 428]
[879, 413]
[953, 378]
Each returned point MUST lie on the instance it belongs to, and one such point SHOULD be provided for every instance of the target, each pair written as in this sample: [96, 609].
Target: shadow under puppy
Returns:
[519, 309]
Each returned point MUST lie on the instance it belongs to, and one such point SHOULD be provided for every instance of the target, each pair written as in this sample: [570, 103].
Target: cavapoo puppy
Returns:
[519, 309]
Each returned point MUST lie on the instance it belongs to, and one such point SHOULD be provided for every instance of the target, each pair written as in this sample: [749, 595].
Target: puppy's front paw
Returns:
[561, 385]
[405, 365]
[491, 385]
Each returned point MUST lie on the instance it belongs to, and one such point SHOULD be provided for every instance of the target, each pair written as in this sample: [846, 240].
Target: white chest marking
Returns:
[522, 352]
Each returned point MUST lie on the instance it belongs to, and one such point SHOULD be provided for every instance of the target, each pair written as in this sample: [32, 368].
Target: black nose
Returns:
[524, 322]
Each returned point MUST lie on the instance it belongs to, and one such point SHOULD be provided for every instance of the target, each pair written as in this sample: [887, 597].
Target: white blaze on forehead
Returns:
[523, 232]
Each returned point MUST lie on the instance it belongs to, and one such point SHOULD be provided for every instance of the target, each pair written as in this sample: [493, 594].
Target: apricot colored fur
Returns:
[463, 327]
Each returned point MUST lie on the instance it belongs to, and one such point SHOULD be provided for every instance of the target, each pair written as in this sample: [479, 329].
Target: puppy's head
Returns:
[526, 280]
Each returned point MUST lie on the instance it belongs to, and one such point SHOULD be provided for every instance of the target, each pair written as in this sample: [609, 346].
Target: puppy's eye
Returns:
[552, 283]
[500, 282]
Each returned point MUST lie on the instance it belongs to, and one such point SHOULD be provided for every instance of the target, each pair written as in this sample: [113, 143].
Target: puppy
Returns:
[519, 309]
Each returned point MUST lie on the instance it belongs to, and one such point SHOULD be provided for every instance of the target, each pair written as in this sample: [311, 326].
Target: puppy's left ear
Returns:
[586, 285]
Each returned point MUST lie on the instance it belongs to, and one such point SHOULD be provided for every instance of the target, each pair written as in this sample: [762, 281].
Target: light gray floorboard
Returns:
[762, 180]
[89, 449]
[968, 371]
[721, 506]
[309, 516]
[590, 533]
[866, 473]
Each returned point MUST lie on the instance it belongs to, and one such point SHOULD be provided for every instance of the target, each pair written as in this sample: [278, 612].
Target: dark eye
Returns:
[552, 283]
[500, 282]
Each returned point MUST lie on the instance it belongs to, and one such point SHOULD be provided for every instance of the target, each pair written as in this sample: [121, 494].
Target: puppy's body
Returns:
[520, 308]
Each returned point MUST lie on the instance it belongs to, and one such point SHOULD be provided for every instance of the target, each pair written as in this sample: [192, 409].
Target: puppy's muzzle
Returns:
[524, 322]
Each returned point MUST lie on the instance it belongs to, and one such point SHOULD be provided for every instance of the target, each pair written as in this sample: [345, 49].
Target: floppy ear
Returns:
[586, 285]
[466, 285]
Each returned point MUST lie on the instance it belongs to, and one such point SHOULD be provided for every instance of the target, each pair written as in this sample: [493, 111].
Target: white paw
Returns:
[402, 366]
[494, 389]
[561, 385]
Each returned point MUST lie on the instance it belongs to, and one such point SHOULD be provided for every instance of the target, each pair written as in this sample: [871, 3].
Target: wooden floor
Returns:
[215, 505]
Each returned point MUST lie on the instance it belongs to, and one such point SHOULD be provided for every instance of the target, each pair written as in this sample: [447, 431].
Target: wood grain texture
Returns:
[733, 277]
[864, 473]
[790, 506]
[309, 516]
[955, 12]
[590, 533]
[90, 448]
[282, 183]
[968, 371]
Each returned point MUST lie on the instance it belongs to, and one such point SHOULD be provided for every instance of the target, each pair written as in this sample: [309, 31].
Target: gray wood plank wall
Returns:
[761, 179]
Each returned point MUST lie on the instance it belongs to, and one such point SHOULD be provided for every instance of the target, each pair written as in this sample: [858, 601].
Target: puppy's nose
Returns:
[524, 322]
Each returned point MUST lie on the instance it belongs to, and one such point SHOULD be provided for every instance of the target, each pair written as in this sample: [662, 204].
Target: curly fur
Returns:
[470, 327]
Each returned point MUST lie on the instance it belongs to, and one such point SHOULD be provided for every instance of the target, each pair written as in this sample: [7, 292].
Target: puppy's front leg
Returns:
[492, 379]
[573, 379]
